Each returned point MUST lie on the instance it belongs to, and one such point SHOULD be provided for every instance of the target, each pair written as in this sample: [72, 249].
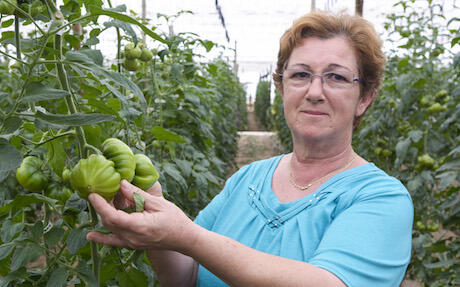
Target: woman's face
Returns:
[322, 111]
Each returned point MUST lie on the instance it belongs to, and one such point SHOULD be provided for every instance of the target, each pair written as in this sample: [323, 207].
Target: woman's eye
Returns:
[337, 77]
[300, 75]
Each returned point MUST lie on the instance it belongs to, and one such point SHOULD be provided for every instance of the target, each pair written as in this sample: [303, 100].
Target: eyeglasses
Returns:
[300, 78]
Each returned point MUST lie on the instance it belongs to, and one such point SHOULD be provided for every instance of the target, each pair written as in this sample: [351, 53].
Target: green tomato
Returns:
[426, 101]
[146, 173]
[6, 8]
[378, 150]
[131, 64]
[441, 94]
[58, 192]
[433, 226]
[426, 160]
[436, 108]
[157, 144]
[30, 174]
[387, 152]
[132, 52]
[146, 55]
[118, 152]
[95, 174]
[66, 175]
[420, 225]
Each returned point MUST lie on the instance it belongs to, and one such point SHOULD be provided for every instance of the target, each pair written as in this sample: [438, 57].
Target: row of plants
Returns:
[61, 99]
[262, 103]
[412, 131]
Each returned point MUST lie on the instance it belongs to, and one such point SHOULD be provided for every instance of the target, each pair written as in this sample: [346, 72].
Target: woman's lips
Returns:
[314, 113]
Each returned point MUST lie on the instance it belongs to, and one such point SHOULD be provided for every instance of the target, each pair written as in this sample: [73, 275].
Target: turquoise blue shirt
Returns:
[357, 225]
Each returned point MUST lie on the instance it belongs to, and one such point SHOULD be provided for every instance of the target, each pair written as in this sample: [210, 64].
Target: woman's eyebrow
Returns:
[334, 66]
[329, 67]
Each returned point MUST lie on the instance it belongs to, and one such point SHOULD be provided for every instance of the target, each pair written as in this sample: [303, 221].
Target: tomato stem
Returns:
[64, 82]
[91, 147]
[94, 251]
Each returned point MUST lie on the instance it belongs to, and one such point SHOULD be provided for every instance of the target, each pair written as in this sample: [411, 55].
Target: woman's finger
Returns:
[156, 189]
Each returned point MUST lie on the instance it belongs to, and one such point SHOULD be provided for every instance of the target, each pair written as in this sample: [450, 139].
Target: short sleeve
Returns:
[369, 243]
[207, 216]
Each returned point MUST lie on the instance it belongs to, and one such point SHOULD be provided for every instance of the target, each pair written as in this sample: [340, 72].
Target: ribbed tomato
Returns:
[95, 174]
[146, 174]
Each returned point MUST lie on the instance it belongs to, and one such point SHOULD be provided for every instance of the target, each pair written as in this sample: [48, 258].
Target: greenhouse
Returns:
[189, 143]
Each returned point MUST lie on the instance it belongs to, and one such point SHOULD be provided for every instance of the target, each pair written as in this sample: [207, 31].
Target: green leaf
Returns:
[415, 135]
[207, 44]
[10, 157]
[56, 155]
[175, 174]
[5, 250]
[133, 277]
[85, 273]
[127, 19]
[76, 239]
[7, 23]
[401, 150]
[77, 119]
[454, 41]
[23, 200]
[11, 125]
[441, 264]
[10, 229]
[81, 60]
[23, 255]
[404, 62]
[446, 178]
[54, 236]
[21, 273]
[126, 27]
[58, 278]
[166, 135]
[185, 166]
[93, 54]
[37, 231]
[139, 201]
[36, 92]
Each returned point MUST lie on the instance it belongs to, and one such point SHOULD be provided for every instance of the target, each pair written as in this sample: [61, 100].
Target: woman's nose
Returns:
[315, 91]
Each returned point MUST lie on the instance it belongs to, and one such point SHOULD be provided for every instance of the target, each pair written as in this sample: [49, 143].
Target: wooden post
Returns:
[359, 7]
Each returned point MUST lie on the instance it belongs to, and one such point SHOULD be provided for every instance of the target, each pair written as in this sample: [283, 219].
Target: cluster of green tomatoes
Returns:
[135, 53]
[33, 8]
[99, 173]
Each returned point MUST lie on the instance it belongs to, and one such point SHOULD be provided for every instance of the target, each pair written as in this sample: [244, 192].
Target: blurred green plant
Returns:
[262, 103]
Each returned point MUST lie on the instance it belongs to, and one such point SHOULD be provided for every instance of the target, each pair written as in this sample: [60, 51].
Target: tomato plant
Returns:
[262, 103]
[416, 118]
[174, 107]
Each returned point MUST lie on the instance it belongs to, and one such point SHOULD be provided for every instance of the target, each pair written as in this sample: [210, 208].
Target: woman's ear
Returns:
[364, 103]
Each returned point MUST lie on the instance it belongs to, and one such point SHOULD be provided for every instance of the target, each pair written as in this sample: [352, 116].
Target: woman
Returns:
[320, 216]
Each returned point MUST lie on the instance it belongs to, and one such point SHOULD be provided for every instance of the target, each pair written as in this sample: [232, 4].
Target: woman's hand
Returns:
[162, 225]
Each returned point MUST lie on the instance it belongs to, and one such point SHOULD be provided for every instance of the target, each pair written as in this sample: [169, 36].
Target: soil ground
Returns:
[256, 143]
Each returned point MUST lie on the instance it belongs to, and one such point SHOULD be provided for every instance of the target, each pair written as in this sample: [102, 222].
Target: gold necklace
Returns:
[291, 179]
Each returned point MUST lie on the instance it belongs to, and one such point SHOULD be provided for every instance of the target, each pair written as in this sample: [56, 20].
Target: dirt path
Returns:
[257, 143]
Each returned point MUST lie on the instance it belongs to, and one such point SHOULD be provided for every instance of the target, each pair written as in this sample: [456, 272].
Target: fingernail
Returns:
[124, 183]
[91, 196]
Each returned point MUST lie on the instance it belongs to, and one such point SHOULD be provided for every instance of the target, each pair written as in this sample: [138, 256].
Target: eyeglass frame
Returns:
[359, 80]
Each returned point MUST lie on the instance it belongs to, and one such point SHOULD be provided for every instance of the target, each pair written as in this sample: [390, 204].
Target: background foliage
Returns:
[262, 102]
[60, 98]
